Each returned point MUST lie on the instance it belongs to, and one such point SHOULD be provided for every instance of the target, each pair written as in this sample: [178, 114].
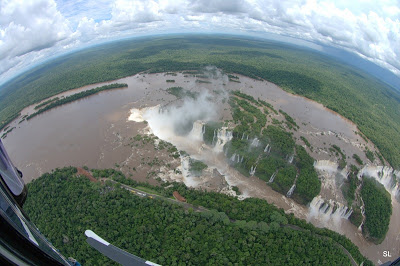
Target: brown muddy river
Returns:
[95, 132]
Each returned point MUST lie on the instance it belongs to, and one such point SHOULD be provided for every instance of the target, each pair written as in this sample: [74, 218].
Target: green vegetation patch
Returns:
[180, 92]
[284, 179]
[281, 141]
[46, 102]
[268, 105]
[308, 184]
[245, 96]
[358, 159]
[290, 121]
[342, 160]
[308, 144]
[370, 155]
[350, 185]
[196, 167]
[236, 189]
[232, 231]
[378, 209]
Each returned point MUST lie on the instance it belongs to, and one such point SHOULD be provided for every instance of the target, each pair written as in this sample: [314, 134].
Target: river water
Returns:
[96, 132]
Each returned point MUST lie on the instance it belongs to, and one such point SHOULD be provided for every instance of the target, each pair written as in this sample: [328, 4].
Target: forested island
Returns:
[378, 209]
[372, 105]
[268, 151]
[63, 205]
[52, 103]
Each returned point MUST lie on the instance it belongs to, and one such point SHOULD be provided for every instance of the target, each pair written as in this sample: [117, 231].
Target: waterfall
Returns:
[347, 215]
[290, 160]
[197, 130]
[185, 164]
[255, 142]
[384, 175]
[215, 135]
[223, 137]
[273, 177]
[324, 207]
[241, 160]
[290, 192]
[233, 157]
[329, 210]
[242, 136]
[345, 173]
[326, 165]
[253, 170]
[266, 148]
[363, 215]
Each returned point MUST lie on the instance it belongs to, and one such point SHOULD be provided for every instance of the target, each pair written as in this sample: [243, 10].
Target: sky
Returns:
[34, 30]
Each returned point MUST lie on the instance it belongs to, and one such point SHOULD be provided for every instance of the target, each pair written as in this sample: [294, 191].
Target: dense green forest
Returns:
[230, 232]
[378, 209]
[52, 103]
[373, 106]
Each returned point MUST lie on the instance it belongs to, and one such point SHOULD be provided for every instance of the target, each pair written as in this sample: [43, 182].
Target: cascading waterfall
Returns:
[223, 137]
[326, 165]
[290, 192]
[396, 190]
[214, 137]
[328, 210]
[185, 163]
[324, 207]
[385, 175]
[233, 157]
[273, 177]
[253, 170]
[255, 142]
[363, 215]
[347, 214]
[266, 148]
[290, 160]
[198, 130]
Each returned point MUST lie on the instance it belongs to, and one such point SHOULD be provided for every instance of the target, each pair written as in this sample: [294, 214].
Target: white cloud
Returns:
[217, 6]
[34, 29]
[28, 27]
